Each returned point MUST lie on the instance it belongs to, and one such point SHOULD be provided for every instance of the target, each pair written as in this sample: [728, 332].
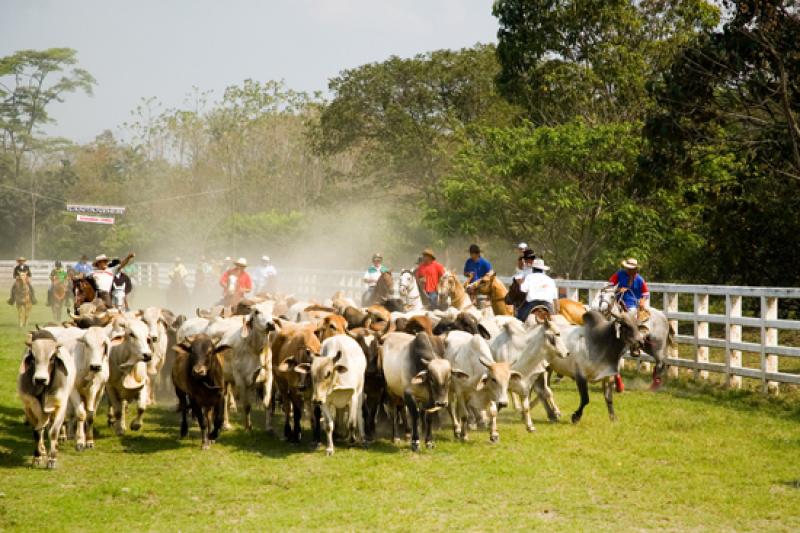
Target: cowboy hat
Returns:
[528, 254]
[101, 257]
[522, 246]
[428, 252]
[377, 256]
[241, 262]
[265, 258]
[630, 263]
[21, 259]
[539, 264]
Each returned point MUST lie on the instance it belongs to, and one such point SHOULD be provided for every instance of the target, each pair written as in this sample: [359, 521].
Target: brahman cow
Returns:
[127, 380]
[337, 381]
[418, 377]
[200, 385]
[45, 381]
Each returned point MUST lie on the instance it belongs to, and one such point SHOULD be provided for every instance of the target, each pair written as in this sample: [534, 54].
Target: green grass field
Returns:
[687, 458]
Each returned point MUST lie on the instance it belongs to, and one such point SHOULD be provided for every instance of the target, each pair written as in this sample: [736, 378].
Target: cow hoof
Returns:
[414, 445]
[227, 426]
[494, 438]
[79, 447]
[329, 452]
[464, 437]
[576, 418]
[37, 461]
[205, 446]
[613, 418]
[119, 431]
[429, 444]
[136, 426]
[51, 464]
[530, 429]
[90, 444]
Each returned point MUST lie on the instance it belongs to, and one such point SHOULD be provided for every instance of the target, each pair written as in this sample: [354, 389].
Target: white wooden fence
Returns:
[765, 328]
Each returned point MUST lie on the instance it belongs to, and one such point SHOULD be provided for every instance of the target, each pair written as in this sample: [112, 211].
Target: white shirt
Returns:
[261, 274]
[539, 286]
[103, 279]
[522, 273]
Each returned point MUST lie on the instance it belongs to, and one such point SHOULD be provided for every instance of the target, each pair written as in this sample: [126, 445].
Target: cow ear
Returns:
[303, 368]
[117, 340]
[287, 364]
[482, 382]
[181, 348]
[58, 359]
[460, 374]
[515, 375]
[419, 379]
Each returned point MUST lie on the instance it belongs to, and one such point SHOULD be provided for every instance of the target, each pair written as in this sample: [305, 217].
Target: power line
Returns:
[28, 192]
[157, 200]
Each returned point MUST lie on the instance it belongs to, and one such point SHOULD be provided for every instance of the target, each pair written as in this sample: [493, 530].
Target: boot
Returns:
[619, 384]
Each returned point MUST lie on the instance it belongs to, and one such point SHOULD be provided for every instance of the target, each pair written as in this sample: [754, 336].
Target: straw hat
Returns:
[539, 263]
[241, 262]
[377, 256]
[428, 252]
[630, 263]
[101, 257]
[21, 259]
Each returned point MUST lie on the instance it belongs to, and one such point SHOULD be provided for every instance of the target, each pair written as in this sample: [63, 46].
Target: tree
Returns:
[26, 92]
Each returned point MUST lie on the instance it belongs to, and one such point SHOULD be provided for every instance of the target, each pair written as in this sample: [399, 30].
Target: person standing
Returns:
[235, 283]
[540, 291]
[371, 277]
[22, 268]
[429, 272]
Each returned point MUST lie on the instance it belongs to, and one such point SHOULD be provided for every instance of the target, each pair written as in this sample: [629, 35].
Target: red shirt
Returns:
[243, 284]
[431, 273]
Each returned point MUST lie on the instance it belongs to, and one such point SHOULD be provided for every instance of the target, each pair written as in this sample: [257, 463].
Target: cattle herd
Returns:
[335, 364]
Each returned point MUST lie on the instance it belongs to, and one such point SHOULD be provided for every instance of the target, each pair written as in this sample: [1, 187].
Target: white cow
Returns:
[45, 381]
[486, 386]
[157, 325]
[337, 377]
[127, 380]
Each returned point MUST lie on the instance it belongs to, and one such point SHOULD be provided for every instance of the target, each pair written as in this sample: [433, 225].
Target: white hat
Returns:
[522, 246]
[242, 262]
[630, 263]
[228, 258]
[539, 263]
[265, 258]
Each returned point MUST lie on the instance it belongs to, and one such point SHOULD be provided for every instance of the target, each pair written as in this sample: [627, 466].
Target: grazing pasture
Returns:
[685, 458]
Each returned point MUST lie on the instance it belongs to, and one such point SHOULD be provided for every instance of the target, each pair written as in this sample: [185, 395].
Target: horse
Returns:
[382, 294]
[83, 291]
[22, 297]
[491, 286]
[58, 296]
[653, 325]
[450, 288]
[409, 292]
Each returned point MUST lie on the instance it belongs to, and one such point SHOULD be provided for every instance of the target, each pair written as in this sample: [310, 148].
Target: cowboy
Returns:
[264, 276]
[372, 275]
[235, 282]
[632, 290]
[521, 249]
[429, 272]
[540, 291]
[475, 268]
[103, 275]
[57, 275]
[83, 267]
[178, 273]
[22, 268]
[120, 289]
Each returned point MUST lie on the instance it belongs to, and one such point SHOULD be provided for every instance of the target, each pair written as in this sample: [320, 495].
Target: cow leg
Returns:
[227, 395]
[608, 392]
[287, 414]
[328, 425]
[55, 429]
[202, 421]
[116, 411]
[80, 417]
[583, 390]
[411, 404]
[545, 394]
[452, 410]
[136, 425]
[357, 418]
[39, 449]
[316, 426]
[112, 417]
[463, 415]
[396, 422]
[90, 429]
[183, 407]
[429, 429]
[95, 393]
[494, 436]
[297, 414]
[36, 418]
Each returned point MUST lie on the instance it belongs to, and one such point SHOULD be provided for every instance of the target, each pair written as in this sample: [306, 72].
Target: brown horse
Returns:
[22, 297]
[450, 287]
[382, 294]
[58, 296]
[489, 285]
[83, 291]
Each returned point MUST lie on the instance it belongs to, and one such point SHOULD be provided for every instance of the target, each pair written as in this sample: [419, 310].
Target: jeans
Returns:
[524, 311]
[434, 298]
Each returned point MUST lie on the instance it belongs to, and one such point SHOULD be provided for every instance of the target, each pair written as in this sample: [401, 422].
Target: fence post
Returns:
[572, 294]
[671, 306]
[769, 337]
[700, 333]
[592, 295]
[733, 358]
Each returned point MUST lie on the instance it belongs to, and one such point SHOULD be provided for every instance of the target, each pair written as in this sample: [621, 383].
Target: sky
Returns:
[163, 48]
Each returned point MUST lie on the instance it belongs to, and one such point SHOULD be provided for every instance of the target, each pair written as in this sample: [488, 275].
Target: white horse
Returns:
[409, 292]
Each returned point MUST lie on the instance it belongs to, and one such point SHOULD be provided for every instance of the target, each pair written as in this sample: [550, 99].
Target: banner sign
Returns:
[96, 220]
[99, 209]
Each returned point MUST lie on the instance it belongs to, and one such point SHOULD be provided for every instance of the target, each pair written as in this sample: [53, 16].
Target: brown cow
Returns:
[294, 345]
[331, 325]
[571, 310]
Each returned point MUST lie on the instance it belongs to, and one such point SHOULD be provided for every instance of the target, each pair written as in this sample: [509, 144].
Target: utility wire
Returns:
[28, 192]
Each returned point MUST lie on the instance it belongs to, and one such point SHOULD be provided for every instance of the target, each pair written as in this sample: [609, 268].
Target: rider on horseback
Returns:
[57, 276]
[371, 277]
[475, 268]
[103, 275]
[540, 291]
[632, 291]
[235, 283]
[20, 269]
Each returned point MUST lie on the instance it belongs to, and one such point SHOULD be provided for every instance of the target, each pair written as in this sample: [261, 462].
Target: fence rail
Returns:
[763, 344]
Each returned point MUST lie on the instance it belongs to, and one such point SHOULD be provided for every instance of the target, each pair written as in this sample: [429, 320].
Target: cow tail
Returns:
[671, 338]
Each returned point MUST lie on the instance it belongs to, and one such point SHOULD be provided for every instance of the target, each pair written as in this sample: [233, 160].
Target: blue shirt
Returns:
[480, 268]
[637, 289]
[83, 268]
